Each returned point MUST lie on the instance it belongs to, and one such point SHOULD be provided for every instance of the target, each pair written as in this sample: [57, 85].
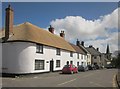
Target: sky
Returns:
[95, 23]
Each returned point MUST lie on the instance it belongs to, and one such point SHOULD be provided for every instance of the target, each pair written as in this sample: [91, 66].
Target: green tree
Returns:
[116, 61]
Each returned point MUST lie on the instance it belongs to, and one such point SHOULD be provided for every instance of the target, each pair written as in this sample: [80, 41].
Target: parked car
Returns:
[86, 68]
[70, 69]
[90, 67]
[97, 67]
[109, 66]
[81, 68]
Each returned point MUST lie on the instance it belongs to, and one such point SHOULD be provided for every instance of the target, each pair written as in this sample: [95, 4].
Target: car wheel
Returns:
[72, 72]
[77, 71]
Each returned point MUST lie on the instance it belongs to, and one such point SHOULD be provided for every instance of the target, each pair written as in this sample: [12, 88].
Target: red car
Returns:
[70, 69]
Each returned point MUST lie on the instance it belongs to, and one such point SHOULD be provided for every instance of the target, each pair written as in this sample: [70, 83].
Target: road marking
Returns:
[99, 85]
[67, 82]
[114, 80]
[88, 75]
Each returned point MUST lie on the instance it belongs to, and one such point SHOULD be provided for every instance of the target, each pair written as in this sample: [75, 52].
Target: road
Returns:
[96, 78]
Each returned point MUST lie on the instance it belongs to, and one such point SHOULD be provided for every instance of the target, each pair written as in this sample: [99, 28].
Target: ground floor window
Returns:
[57, 63]
[77, 63]
[67, 62]
[39, 64]
[71, 62]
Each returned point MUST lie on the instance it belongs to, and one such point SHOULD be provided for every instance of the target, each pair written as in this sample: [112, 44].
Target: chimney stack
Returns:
[77, 42]
[97, 49]
[82, 43]
[51, 29]
[8, 22]
[90, 46]
[62, 34]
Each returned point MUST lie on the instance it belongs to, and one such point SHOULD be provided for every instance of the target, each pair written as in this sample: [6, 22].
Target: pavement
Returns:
[104, 78]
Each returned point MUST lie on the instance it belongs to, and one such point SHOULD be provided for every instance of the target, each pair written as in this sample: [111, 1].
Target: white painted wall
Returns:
[19, 57]
[89, 59]
[0, 57]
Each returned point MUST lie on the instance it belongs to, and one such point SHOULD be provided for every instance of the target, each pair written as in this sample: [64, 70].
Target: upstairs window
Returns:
[95, 57]
[39, 48]
[71, 54]
[57, 51]
[87, 56]
[77, 55]
[81, 56]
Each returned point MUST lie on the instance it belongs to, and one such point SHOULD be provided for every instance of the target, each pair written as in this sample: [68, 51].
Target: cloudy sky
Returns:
[94, 23]
[97, 32]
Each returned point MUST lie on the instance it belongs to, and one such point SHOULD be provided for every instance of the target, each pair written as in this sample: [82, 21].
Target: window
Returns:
[39, 64]
[77, 63]
[67, 62]
[95, 57]
[82, 63]
[71, 62]
[77, 55]
[81, 56]
[39, 48]
[71, 54]
[87, 56]
[57, 63]
[57, 51]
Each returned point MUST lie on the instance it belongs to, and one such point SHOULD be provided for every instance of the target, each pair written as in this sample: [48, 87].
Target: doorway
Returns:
[51, 65]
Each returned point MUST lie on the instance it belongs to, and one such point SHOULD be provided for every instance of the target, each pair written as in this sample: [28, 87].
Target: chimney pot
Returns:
[51, 29]
[62, 34]
[90, 46]
[97, 49]
[77, 42]
[82, 43]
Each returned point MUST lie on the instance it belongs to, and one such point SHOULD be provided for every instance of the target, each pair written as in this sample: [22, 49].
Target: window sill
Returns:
[38, 69]
[57, 66]
[58, 54]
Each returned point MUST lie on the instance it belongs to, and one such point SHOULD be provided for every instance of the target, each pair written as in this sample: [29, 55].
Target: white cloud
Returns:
[90, 30]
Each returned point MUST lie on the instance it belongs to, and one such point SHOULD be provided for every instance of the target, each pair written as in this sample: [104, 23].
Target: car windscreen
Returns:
[66, 66]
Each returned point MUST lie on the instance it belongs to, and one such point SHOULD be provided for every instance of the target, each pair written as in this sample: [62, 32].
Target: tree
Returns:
[116, 61]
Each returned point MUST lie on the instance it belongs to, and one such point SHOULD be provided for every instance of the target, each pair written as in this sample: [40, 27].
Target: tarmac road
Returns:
[95, 78]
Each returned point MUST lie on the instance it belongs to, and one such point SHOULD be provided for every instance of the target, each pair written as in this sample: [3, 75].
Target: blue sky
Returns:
[41, 14]
[96, 23]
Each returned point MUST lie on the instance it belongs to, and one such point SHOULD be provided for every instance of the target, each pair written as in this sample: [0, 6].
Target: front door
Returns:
[51, 65]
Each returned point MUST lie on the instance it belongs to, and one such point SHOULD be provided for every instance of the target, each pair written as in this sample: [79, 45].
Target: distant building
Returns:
[95, 55]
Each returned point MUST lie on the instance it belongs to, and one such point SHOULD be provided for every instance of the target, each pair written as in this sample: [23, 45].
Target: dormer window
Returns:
[57, 51]
[39, 48]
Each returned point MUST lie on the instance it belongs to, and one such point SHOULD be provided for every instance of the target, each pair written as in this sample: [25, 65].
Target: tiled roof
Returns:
[32, 33]
[78, 49]
[93, 51]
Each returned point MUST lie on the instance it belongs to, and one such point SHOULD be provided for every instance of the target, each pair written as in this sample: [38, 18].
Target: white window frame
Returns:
[39, 65]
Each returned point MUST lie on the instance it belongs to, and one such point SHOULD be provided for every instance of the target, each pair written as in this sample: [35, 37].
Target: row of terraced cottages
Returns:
[30, 49]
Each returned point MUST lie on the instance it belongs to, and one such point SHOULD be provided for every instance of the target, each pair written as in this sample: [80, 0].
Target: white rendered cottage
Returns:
[30, 49]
